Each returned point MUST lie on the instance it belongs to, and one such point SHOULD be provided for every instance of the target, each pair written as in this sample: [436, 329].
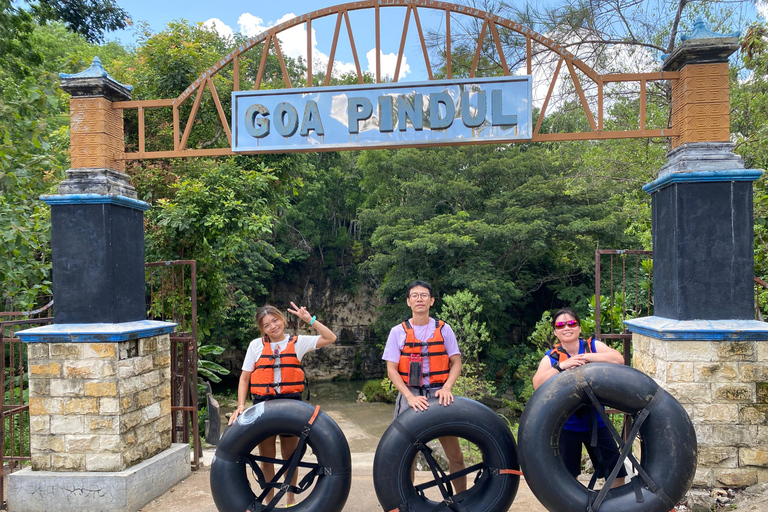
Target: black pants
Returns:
[570, 451]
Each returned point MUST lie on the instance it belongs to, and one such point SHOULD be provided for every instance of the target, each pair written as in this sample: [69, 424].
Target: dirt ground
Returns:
[194, 493]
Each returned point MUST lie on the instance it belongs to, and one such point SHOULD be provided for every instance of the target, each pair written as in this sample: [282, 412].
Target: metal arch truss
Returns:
[490, 23]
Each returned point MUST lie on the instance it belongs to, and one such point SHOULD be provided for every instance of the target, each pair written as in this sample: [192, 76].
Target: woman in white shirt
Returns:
[272, 369]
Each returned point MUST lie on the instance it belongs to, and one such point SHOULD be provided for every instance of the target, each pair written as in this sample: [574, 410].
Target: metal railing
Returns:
[14, 427]
[172, 296]
[635, 300]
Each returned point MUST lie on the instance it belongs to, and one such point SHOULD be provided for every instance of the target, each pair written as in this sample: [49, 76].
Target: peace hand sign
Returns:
[300, 312]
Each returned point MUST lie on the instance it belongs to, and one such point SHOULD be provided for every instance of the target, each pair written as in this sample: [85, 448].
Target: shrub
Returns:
[379, 391]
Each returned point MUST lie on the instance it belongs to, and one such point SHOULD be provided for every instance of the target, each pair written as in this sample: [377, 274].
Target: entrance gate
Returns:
[702, 171]
[231, 75]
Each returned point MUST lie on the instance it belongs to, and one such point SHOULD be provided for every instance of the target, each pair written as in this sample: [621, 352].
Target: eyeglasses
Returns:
[423, 296]
[569, 323]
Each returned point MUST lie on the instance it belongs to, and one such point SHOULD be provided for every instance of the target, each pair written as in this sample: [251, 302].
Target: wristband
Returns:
[313, 320]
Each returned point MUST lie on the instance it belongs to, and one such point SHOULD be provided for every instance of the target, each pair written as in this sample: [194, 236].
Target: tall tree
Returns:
[90, 18]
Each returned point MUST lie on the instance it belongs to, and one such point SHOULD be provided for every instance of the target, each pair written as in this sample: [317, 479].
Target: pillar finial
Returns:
[95, 81]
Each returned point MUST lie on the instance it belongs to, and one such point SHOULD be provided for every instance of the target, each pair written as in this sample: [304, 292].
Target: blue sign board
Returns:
[368, 116]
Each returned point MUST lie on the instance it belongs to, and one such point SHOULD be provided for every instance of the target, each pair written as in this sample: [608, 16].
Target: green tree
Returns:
[30, 165]
[499, 222]
[462, 311]
[89, 18]
[16, 26]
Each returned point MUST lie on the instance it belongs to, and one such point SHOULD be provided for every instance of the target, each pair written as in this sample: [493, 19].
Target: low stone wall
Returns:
[723, 385]
[99, 406]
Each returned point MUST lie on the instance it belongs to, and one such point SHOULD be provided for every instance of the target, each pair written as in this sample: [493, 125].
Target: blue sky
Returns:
[252, 18]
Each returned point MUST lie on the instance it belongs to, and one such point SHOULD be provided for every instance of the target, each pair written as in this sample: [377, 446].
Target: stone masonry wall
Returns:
[723, 385]
[99, 406]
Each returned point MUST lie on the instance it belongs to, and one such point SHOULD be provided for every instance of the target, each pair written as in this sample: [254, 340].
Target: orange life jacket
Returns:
[439, 363]
[559, 354]
[291, 375]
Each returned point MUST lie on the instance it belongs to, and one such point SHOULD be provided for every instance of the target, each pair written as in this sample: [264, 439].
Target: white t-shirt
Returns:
[303, 345]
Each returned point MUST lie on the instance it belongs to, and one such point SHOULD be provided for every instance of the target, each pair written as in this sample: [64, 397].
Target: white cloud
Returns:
[388, 64]
[218, 26]
[762, 8]
[251, 25]
[623, 59]
[293, 42]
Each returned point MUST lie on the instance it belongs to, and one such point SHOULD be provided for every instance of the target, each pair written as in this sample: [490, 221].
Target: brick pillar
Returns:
[99, 406]
[700, 104]
[96, 134]
[703, 344]
[100, 377]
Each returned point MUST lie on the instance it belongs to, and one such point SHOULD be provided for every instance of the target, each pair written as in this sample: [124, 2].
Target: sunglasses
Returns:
[569, 323]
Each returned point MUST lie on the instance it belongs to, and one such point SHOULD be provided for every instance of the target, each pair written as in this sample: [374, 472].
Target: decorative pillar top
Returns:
[96, 134]
[701, 46]
[95, 81]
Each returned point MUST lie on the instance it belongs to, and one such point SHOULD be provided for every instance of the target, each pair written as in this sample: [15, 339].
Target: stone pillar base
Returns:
[718, 371]
[123, 491]
[99, 394]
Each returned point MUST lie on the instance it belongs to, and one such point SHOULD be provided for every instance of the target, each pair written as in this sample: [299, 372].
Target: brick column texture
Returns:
[700, 104]
[99, 406]
[96, 134]
[723, 385]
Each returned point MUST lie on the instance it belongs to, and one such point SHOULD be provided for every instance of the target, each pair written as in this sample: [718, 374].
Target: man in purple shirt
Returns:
[420, 298]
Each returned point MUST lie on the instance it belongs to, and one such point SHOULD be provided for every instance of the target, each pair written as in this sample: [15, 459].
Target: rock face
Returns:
[355, 355]
[343, 362]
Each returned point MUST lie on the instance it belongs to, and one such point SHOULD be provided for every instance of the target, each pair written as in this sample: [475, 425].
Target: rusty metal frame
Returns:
[183, 347]
[14, 360]
[491, 23]
[625, 336]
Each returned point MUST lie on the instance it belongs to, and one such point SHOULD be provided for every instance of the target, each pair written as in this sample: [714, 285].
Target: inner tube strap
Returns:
[453, 476]
[437, 472]
[406, 507]
[625, 451]
[637, 487]
[584, 385]
[290, 468]
[321, 471]
[440, 478]
[254, 467]
[463, 495]
[258, 458]
[498, 472]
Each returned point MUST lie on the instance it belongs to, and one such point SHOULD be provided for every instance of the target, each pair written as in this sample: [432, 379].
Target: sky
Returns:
[252, 18]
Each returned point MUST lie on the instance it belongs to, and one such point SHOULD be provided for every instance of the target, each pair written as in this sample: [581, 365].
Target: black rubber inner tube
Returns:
[495, 489]
[669, 449]
[229, 471]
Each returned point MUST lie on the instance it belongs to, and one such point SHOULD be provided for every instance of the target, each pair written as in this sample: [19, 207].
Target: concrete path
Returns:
[194, 493]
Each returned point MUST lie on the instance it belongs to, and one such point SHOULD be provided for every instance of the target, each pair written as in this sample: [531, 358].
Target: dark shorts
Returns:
[401, 404]
[570, 451]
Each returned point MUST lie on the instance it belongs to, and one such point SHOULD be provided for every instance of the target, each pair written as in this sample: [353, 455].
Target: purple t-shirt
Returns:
[396, 342]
